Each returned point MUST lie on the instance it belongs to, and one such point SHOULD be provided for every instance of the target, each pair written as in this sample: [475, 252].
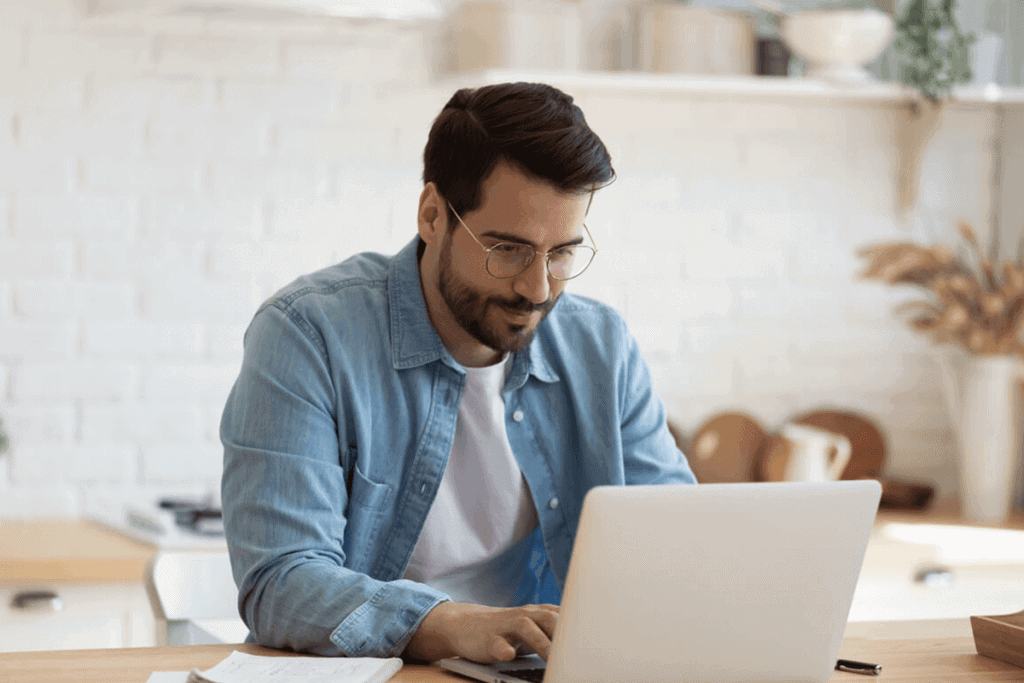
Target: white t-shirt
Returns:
[470, 545]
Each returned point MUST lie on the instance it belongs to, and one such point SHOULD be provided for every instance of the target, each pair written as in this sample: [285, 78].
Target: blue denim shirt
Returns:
[339, 426]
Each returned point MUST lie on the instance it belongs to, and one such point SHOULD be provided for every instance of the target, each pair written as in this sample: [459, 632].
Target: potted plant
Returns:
[976, 310]
[933, 55]
[934, 52]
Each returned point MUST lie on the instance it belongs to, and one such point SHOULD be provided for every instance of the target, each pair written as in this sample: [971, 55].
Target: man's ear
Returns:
[432, 216]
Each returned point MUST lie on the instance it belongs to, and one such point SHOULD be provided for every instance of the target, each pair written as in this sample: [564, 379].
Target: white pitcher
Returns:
[815, 454]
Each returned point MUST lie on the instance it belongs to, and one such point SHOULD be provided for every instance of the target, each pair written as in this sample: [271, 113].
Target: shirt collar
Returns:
[538, 364]
[414, 341]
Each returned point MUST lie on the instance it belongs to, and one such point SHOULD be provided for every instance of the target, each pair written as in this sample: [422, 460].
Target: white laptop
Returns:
[717, 583]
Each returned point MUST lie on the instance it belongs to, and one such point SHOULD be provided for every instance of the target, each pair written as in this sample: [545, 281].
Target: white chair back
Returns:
[193, 597]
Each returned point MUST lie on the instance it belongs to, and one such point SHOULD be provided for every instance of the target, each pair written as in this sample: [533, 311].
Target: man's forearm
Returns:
[315, 606]
[430, 641]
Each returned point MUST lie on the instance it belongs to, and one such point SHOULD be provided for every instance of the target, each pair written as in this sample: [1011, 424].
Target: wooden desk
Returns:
[928, 659]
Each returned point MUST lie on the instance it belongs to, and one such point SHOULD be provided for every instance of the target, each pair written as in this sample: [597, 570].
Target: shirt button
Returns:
[423, 488]
[553, 503]
[517, 416]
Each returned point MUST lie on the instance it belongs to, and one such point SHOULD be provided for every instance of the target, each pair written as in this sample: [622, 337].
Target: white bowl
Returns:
[836, 44]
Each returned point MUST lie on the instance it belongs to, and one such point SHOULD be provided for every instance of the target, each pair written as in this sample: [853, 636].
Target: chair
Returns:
[194, 598]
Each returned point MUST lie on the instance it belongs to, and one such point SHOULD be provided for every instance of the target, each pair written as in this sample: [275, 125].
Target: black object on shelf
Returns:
[197, 516]
[772, 57]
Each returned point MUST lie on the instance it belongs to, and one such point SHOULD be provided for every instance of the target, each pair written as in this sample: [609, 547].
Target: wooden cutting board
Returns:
[771, 465]
[725, 448]
[867, 445]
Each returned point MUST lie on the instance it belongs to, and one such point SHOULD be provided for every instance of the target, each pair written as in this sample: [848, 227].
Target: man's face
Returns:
[500, 322]
[503, 314]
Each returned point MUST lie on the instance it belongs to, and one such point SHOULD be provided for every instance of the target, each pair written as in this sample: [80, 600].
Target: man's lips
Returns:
[520, 313]
[522, 316]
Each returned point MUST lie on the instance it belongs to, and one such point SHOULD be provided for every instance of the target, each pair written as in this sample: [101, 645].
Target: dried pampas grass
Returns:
[980, 310]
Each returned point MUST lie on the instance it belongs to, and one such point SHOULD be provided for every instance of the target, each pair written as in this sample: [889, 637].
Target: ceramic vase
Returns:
[983, 394]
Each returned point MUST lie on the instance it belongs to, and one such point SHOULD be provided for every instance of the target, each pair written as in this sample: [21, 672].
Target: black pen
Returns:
[858, 667]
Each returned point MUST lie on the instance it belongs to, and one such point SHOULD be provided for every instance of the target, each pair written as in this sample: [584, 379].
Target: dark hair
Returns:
[532, 126]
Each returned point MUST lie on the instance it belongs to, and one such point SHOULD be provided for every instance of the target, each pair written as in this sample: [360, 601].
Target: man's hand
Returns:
[483, 634]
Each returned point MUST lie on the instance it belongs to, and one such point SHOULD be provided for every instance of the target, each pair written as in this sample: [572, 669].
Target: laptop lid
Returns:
[714, 583]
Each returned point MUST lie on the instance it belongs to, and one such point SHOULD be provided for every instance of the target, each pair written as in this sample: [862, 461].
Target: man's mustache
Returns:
[523, 305]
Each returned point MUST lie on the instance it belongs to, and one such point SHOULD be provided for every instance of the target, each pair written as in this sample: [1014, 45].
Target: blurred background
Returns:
[166, 166]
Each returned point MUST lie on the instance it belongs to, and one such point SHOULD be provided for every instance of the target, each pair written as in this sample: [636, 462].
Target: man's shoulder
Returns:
[359, 276]
[578, 316]
[579, 309]
[585, 340]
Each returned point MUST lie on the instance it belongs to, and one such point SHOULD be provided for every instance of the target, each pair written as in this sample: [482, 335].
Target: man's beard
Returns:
[470, 309]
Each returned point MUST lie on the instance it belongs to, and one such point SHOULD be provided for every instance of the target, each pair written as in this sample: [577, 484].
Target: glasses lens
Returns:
[567, 263]
[508, 260]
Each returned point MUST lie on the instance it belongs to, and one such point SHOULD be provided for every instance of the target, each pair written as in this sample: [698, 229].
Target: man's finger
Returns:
[547, 620]
[527, 631]
[502, 650]
[546, 617]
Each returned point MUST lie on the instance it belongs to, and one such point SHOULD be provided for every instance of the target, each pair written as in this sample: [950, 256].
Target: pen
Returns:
[858, 667]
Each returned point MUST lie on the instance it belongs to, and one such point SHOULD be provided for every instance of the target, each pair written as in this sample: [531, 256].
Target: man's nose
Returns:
[533, 282]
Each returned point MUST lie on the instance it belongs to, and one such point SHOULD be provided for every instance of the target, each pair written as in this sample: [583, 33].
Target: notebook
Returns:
[718, 583]
[240, 667]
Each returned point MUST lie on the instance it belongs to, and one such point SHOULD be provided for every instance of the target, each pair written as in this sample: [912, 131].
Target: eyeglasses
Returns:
[508, 259]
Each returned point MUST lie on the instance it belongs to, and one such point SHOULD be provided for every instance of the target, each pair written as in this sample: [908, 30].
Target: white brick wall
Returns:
[111, 462]
[142, 423]
[29, 340]
[33, 424]
[158, 181]
[87, 216]
[65, 300]
[213, 55]
[78, 379]
[134, 338]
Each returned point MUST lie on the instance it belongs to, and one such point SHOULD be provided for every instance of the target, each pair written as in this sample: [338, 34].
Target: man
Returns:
[410, 438]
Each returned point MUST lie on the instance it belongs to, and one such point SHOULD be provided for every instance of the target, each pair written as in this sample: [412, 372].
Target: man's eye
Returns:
[510, 250]
[563, 254]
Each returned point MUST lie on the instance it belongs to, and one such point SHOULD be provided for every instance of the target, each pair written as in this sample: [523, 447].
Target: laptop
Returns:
[718, 583]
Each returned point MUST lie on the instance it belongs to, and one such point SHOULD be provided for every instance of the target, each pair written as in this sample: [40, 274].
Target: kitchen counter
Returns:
[82, 551]
[71, 584]
[944, 512]
[67, 550]
[99, 575]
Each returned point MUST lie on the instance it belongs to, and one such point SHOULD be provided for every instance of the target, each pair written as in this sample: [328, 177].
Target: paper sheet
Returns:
[168, 677]
[239, 667]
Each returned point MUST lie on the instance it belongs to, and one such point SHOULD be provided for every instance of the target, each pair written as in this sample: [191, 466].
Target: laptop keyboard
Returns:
[531, 675]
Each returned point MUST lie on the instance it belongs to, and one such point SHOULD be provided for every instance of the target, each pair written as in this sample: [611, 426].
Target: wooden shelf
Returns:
[750, 87]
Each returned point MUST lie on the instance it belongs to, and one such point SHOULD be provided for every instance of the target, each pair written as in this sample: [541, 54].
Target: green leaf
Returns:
[934, 52]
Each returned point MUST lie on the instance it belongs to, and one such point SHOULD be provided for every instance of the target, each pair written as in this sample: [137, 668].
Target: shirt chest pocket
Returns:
[367, 503]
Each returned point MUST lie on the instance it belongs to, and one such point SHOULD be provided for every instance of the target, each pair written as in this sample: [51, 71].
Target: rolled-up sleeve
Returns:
[287, 505]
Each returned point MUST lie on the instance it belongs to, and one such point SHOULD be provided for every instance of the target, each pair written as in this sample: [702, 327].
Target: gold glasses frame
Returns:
[529, 261]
